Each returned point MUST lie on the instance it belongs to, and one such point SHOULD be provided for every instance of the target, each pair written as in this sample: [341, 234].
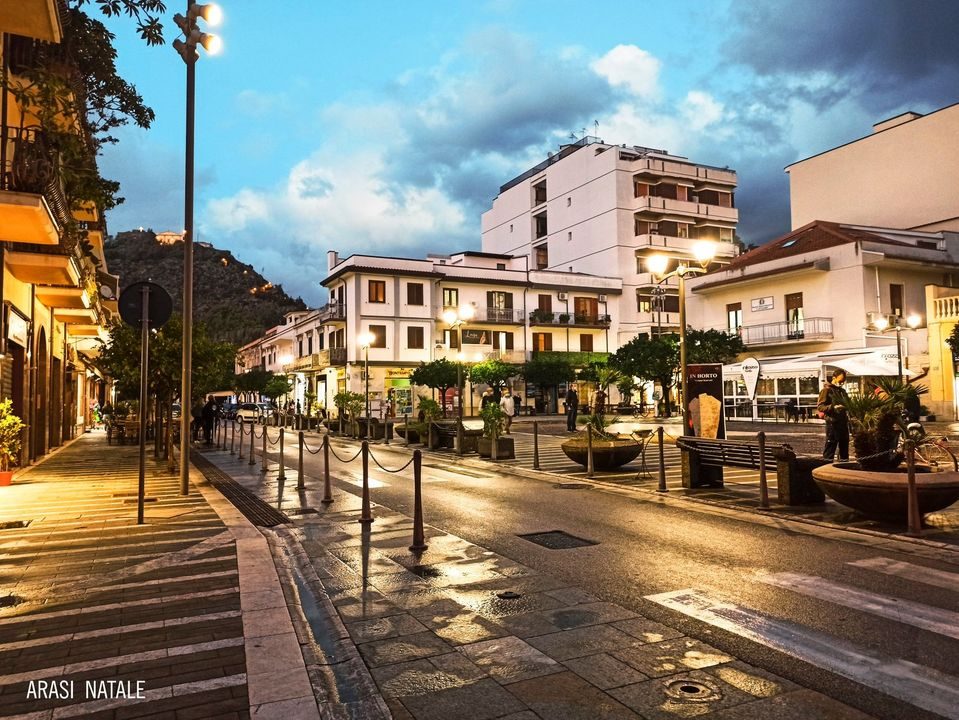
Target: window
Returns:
[794, 316]
[377, 291]
[414, 338]
[500, 266]
[542, 341]
[644, 303]
[545, 303]
[895, 300]
[451, 339]
[499, 306]
[734, 316]
[569, 201]
[586, 343]
[542, 257]
[451, 297]
[320, 340]
[671, 303]
[299, 346]
[414, 293]
[502, 341]
[569, 236]
[585, 309]
[540, 226]
[379, 336]
[511, 227]
[539, 193]
[309, 344]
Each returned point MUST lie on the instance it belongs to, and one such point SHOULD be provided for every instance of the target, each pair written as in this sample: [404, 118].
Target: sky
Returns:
[387, 128]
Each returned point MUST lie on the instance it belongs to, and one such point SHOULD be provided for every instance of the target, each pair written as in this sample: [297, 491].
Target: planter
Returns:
[607, 454]
[504, 448]
[883, 494]
[411, 433]
[6, 477]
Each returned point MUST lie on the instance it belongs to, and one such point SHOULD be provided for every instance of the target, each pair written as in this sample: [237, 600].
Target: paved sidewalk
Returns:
[104, 618]
[444, 638]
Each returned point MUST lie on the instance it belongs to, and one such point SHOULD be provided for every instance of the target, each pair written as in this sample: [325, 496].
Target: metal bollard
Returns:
[299, 474]
[914, 519]
[763, 488]
[419, 537]
[239, 447]
[327, 486]
[219, 433]
[252, 433]
[281, 475]
[662, 462]
[406, 427]
[366, 517]
[535, 444]
[459, 438]
[232, 437]
[386, 430]
[589, 451]
[263, 456]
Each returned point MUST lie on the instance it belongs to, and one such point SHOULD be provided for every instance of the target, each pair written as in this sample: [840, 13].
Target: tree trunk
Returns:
[157, 426]
[667, 406]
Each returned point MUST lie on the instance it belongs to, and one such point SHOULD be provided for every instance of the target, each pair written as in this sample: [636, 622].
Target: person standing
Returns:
[832, 408]
[209, 418]
[487, 398]
[572, 408]
[507, 406]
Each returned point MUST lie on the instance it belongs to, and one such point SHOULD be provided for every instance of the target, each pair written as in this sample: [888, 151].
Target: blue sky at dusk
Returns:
[388, 127]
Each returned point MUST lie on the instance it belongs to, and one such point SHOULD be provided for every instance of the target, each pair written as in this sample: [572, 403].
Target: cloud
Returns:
[630, 67]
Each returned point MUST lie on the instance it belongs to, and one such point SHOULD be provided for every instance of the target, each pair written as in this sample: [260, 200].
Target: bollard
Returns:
[219, 433]
[406, 427]
[232, 437]
[535, 444]
[459, 438]
[366, 517]
[386, 430]
[299, 476]
[589, 451]
[914, 519]
[252, 433]
[263, 455]
[327, 486]
[662, 462]
[239, 447]
[281, 475]
[763, 487]
[419, 538]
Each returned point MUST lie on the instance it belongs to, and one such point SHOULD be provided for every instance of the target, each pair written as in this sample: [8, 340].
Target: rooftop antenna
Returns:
[584, 132]
[572, 136]
[596, 128]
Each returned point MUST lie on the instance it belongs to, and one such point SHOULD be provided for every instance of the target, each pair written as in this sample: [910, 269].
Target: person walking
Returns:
[832, 408]
[507, 406]
[572, 408]
[209, 418]
[487, 398]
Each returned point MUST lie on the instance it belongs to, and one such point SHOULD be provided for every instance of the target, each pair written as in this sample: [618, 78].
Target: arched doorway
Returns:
[40, 430]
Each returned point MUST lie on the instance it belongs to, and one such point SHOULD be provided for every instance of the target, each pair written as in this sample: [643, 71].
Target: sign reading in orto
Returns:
[704, 400]
[750, 370]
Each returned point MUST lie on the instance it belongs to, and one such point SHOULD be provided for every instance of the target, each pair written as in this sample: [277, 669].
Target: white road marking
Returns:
[918, 573]
[916, 684]
[943, 622]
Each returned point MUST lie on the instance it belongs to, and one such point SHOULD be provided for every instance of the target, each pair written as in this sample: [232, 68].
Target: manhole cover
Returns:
[508, 595]
[572, 486]
[12, 524]
[557, 540]
[10, 601]
[690, 690]
[425, 571]
[302, 511]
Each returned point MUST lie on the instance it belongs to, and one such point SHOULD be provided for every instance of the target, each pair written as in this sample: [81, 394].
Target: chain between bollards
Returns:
[239, 446]
[327, 486]
[914, 518]
[281, 475]
[589, 451]
[763, 487]
[299, 471]
[419, 536]
[662, 461]
[535, 444]
[366, 517]
[263, 453]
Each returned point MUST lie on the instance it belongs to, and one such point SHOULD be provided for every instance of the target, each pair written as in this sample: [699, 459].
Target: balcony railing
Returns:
[505, 316]
[576, 358]
[29, 163]
[541, 317]
[786, 332]
[333, 311]
[946, 308]
[337, 356]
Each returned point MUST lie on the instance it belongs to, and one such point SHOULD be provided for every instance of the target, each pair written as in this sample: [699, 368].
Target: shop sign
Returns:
[750, 370]
[763, 303]
[16, 328]
[704, 400]
[398, 373]
[476, 337]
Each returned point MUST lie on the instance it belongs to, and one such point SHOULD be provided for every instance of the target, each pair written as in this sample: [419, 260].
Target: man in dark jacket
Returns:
[832, 408]
[572, 408]
[209, 417]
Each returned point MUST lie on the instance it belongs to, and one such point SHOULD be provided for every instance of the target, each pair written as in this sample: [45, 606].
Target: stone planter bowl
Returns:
[883, 494]
[607, 454]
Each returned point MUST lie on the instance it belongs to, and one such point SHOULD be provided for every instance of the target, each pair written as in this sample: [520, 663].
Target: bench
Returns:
[443, 435]
[703, 460]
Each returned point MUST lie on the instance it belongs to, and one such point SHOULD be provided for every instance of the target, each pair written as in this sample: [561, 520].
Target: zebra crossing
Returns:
[922, 686]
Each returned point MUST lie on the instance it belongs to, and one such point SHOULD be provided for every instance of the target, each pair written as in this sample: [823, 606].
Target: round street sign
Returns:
[131, 304]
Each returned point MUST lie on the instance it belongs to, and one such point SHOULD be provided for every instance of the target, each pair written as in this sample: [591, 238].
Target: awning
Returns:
[798, 367]
[863, 362]
[878, 363]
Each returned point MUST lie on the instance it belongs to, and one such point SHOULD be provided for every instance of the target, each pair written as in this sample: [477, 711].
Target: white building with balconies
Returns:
[601, 209]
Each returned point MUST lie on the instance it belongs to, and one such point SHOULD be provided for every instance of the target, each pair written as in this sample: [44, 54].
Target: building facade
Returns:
[602, 209]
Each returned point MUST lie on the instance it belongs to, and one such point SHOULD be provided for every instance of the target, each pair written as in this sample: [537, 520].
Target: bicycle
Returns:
[934, 452]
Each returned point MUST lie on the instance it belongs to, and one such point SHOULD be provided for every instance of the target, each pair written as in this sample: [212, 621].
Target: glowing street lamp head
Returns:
[466, 312]
[213, 44]
[657, 264]
[365, 339]
[449, 316]
[880, 323]
[211, 13]
[914, 320]
[704, 251]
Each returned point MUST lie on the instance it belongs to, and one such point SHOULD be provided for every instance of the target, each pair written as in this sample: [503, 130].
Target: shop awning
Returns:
[877, 363]
[864, 362]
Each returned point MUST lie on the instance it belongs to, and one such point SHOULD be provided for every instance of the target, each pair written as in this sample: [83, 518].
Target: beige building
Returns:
[904, 175]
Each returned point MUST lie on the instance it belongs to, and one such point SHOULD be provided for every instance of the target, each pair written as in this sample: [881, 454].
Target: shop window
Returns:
[766, 386]
[809, 386]
[786, 386]
[377, 291]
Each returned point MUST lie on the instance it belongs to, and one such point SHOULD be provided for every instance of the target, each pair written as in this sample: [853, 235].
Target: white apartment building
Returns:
[803, 305]
[601, 209]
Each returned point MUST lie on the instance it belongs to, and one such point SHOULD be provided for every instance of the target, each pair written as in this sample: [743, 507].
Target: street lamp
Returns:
[703, 252]
[881, 324]
[456, 319]
[364, 340]
[186, 47]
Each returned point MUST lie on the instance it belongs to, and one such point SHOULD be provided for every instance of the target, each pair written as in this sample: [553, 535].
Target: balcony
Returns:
[514, 357]
[306, 363]
[945, 308]
[541, 317]
[576, 358]
[337, 357]
[497, 316]
[777, 333]
[332, 312]
[32, 201]
[661, 205]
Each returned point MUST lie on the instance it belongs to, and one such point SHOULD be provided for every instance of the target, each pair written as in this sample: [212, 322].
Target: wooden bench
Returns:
[443, 435]
[703, 460]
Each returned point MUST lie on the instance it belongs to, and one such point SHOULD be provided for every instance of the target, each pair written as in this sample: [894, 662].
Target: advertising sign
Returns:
[17, 328]
[476, 337]
[763, 303]
[750, 370]
[704, 400]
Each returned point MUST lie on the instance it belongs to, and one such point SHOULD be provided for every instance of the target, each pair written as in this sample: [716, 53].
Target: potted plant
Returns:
[563, 318]
[541, 316]
[610, 451]
[494, 423]
[11, 427]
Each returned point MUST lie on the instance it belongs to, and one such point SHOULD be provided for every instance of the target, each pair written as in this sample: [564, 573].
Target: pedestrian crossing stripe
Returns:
[916, 573]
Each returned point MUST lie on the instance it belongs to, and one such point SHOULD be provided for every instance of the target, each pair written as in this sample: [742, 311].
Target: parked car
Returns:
[266, 411]
[176, 411]
[228, 410]
[249, 412]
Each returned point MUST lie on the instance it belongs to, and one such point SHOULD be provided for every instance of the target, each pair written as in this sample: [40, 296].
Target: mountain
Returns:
[232, 299]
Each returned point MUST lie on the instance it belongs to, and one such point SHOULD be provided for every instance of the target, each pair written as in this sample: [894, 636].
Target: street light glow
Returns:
[657, 264]
[213, 44]
[365, 339]
[914, 320]
[211, 13]
[704, 251]
[466, 312]
[449, 316]
[880, 323]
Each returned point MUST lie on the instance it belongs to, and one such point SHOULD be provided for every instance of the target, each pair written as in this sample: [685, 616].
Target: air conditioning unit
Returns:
[880, 321]
[562, 295]
[602, 298]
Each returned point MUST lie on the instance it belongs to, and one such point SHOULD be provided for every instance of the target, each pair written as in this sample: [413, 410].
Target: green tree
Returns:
[253, 381]
[548, 372]
[712, 346]
[278, 386]
[650, 359]
[493, 372]
[438, 375]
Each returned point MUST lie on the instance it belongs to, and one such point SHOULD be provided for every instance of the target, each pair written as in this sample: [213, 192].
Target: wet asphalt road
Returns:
[647, 547]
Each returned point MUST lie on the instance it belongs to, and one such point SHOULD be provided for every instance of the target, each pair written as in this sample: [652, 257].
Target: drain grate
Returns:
[10, 601]
[689, 690]
[557, 540]
[302, 511]
[426, 571]
[572, 486]
[254, 509]
[13, 524]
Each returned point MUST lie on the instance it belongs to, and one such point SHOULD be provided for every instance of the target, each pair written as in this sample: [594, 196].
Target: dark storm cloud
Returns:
[886, 51]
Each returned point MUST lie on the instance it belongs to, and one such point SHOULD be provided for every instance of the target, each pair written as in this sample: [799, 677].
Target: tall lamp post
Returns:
[658, 265]
[882, 325]
[365, 340]
[456, 319]
[186, 47]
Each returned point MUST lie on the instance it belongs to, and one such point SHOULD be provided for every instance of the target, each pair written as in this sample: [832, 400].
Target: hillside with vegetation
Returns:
[232, 299]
